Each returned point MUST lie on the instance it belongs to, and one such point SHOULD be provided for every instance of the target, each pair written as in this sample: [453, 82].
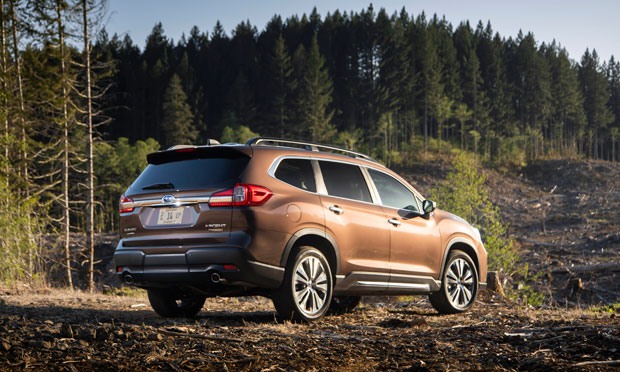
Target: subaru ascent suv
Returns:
[314, 227]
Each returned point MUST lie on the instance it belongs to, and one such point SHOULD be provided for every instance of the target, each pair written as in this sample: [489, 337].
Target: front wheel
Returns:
[174, 304]
[459, 285]
[306, 291]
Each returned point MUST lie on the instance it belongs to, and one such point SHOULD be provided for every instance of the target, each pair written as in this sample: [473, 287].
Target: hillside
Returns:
[565, 218]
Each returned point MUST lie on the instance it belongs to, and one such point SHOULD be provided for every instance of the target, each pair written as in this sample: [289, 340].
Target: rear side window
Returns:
[190, 174]
[298, 173]
[393, 193]
[345, 181]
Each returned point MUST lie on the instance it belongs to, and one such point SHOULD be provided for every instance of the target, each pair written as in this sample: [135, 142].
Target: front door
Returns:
[415, 241]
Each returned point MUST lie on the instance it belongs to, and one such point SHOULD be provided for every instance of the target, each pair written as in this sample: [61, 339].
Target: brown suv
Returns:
[312, 226]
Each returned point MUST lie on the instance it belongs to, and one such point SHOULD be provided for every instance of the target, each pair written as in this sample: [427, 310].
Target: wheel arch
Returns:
[461, 244]
[317, 238]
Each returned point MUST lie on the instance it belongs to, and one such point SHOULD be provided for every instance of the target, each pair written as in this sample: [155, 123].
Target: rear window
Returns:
[298, 173]
[190, 174]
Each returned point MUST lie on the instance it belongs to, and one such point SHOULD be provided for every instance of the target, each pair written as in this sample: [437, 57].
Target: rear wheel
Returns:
[306, 291]
[343, 304]
[459, 285]
[174, 304]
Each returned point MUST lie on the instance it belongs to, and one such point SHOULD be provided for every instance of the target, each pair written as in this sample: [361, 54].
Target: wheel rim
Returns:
[310, 286]
[460, 283]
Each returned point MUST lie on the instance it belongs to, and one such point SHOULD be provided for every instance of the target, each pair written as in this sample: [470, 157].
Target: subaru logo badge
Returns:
[169, 199]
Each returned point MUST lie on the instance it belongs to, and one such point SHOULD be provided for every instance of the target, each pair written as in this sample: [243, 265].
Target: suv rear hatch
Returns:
[183, 197]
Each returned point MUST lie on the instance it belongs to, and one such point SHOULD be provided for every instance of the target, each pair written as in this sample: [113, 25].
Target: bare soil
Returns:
[74, 331]
[563, 214]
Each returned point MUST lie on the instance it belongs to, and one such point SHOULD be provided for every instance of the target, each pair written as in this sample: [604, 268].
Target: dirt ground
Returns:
[73, 331]
[563, 214]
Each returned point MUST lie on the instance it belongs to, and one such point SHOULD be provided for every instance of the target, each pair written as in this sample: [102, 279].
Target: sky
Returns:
[574, 24]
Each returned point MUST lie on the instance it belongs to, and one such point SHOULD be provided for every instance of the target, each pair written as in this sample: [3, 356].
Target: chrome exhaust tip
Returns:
[216, 278]
[128, 279]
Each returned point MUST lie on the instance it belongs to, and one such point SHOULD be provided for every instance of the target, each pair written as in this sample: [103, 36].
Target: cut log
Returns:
[589, 268]
[494, 284]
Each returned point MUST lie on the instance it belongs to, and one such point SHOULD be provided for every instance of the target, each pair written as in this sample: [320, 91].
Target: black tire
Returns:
[175, 304]
[459, 285]
[306, 291]
[343, 304]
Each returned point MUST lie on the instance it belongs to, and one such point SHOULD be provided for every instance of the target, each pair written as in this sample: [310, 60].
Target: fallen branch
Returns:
[597, 362]
[589, 268]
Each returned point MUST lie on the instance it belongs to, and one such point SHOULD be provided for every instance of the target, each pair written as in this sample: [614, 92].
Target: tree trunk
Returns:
[425, 128]
[4, 100]
[24, 167]
[90, 202]
[65, 165]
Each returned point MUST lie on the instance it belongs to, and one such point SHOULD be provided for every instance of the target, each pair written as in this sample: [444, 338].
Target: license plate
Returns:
[170, 216]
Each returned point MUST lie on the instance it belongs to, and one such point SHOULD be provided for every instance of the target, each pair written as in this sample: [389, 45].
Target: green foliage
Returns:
[609, 309]
[178, 119]
[237, 134]
[116, 166]
[18, 231]
[463, 193]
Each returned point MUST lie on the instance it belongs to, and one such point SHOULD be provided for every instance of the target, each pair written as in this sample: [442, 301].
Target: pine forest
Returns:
[80, 108]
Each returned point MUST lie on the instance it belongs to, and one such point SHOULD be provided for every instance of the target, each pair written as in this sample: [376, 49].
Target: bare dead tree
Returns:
[20, 89]
[90, 215]
[65, 167]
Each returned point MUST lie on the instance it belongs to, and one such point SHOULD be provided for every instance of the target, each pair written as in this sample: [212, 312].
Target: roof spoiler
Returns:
[186, 152]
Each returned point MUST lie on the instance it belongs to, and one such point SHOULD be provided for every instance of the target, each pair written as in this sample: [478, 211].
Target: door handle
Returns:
[394, 222]
[336, 210]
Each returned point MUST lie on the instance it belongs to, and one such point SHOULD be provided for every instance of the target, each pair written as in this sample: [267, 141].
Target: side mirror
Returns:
[428, 206]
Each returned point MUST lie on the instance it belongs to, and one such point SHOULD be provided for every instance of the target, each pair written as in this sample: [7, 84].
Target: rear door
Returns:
[358, 226]
[171, 199]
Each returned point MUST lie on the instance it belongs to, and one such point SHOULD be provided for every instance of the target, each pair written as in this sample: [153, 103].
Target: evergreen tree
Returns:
[282, 86]
[314, 96]
[613, 77]
[596, 95]
[177, 124]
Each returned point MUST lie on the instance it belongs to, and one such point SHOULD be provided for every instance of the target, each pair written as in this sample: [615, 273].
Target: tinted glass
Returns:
[190, 174]
[298, 173]
[345, 181]
[393, 193]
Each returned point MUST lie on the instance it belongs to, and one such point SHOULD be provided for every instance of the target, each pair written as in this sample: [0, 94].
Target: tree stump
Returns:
[494, 284]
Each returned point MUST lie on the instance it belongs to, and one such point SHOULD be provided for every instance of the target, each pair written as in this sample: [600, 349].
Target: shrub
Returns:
[463, 193]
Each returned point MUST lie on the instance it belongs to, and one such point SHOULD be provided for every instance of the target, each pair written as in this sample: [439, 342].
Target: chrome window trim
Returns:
[276, 163]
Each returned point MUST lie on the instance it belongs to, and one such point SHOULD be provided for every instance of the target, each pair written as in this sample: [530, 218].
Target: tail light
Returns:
[241, 195]
[125, 205]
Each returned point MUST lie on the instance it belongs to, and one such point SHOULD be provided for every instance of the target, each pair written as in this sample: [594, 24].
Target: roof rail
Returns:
[208, 142]
[311, 146]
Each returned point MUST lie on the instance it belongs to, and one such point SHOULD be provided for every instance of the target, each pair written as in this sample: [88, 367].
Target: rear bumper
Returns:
[195, 267]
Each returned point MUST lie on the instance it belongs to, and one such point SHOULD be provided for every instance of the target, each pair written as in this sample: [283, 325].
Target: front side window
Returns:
[393, 193]
[298, 173]
[345, 181]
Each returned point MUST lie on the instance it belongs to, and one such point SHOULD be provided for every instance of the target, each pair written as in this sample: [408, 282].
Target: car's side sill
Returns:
[365, 283]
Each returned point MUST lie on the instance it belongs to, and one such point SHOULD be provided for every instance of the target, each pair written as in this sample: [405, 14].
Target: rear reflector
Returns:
[231, 267]
[241, 195]
[125, 205]
[119, 269]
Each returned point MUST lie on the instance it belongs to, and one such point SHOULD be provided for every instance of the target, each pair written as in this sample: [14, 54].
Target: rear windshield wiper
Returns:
[158, 186]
